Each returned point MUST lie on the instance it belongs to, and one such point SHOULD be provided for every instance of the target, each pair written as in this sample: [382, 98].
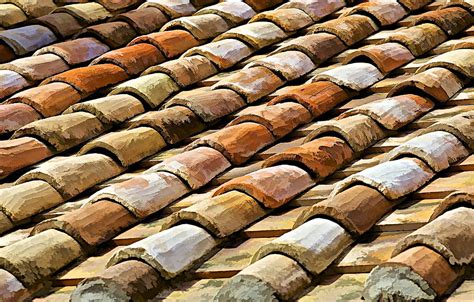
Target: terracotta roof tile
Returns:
[259, 185]
[451, 20]
[144, 195]
[185, 71]
[202, 27]
[19, 153]
[87, 13]
[257, 34]
[144, 20]
[28, 38]
[11, 14]
[76, 51]
[246, 139]
[63, 132]
[133, 59]
[129, 146]
[290, 19]
[174, 9]
[14, 116]
[315, 10]
[350, 29]
[170, 43]
[114, 34]
[114, 109]
[235, 12]
[319, 47]
[224, 53]
[207, 103]
[63, 25]
[89, 79]
[174, 123]
[384, 12]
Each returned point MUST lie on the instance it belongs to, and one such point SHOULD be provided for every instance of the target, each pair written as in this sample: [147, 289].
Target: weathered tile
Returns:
[174, 123]
[452, 20]
[12, 289]
[438, 149]
[290, 64]
[418, 273]
[73, 175]
[185, 71]
[129, 146]
[260, 185]
[11, 82]
[87, 13]
[63, 25]
[314, 244]
[259, 282]
[145, 194]
[153, 89]
[224, 214]
[357, 209]
[11, 14]
[456, 60]
[253, 83]
[50, 99]
[202, 27]
[37, 257]
[30, 198]
[319, 47]
[386, 12]
[350, 29]
[459, 125]
[394, 179]
[321, 157]
[27, 39]
[91, 225]
[318, 97]
[449, 234]
[224, 53]
[165, 254]
[238, 143]
[359, 131]
[439, 83]
[393, 113]
[357, 76]
[133, 59]
[37, 68]
[64, 131]
[130, 279]
[235, 12]
[170, 43]
[114, 34]
[208, 104]
[197, 167]
[76, 51]
[280, 119]
[144, 20]
[418, 39]
[257, 34]
[14, 116]
[113, 109]
[88, 80]
[172, 8]
[456, 199]
[387, 56]
[315, 10]
[290, 19]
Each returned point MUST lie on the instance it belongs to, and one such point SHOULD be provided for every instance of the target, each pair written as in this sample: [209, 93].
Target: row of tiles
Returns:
[150, 141]
[105, 115]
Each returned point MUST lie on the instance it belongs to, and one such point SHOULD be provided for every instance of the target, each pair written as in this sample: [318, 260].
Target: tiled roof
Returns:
[313, 150]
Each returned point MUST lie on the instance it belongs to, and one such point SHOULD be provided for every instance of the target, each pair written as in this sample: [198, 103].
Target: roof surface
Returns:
[176, 150]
